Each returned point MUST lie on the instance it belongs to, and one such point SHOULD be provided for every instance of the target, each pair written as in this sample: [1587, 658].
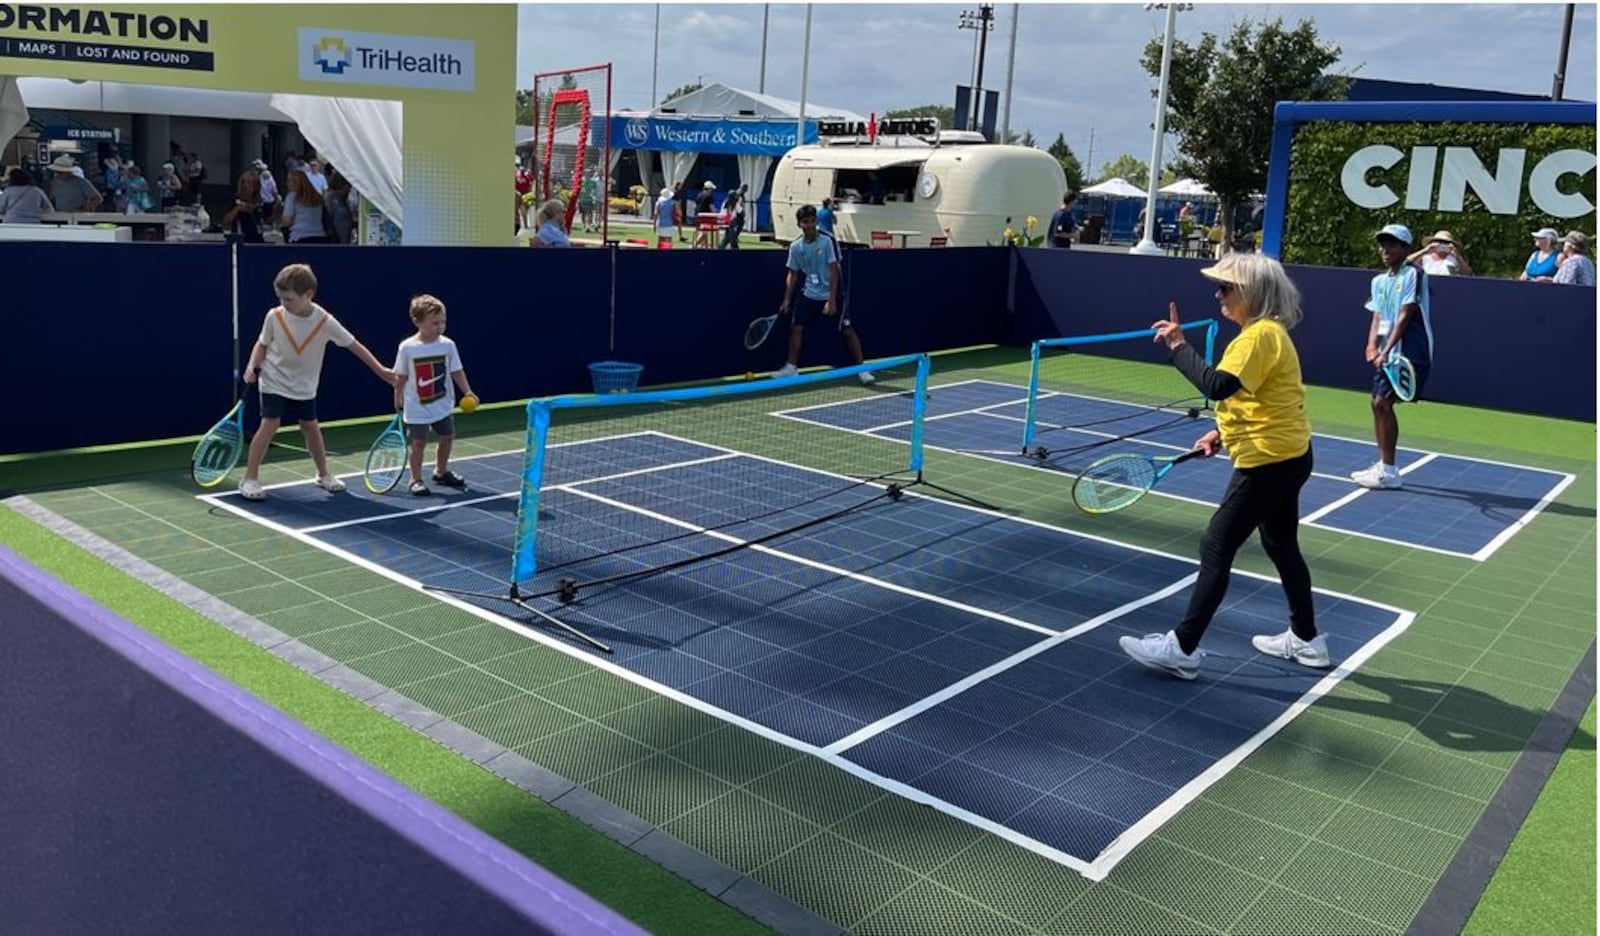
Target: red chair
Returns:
[939, 242]
[881, 240]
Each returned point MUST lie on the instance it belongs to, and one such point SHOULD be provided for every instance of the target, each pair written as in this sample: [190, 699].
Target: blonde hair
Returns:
[296, 278]
[1264, 287]
[423, 306]
[549, 211]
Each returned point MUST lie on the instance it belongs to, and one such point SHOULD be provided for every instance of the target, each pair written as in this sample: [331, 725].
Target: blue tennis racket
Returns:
[1117, 481]
[1402, 375]
[386, 460]
[220, 449]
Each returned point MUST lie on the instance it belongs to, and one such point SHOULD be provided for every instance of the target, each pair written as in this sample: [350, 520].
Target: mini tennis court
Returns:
[862, 649]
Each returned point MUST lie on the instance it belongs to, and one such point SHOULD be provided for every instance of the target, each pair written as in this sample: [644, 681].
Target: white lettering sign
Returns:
[340, 56]
[1499, 191]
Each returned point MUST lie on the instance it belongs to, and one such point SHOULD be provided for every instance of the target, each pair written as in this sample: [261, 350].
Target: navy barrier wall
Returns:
[1485, 331]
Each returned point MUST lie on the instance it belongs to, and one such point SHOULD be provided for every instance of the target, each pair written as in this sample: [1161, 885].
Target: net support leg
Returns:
[917, 480]
[514, 596]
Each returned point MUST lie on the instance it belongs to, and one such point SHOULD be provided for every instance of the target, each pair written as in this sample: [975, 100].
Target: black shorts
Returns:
[807, 310]
[444, 428]
[281, 407]
[1382, 389]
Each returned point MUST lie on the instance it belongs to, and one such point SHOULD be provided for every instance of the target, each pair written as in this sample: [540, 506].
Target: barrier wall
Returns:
[144, 793]
[131, 342]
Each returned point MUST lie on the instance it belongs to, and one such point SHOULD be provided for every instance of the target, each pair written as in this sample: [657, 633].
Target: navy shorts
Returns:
[807, 310]
[444, 429]
[1382, 389]
[282, 407]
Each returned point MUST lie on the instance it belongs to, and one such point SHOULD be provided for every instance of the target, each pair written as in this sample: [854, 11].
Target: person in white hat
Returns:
[705, 204]
[1399, 303]
[1261, 421]
[68, 191]
[666, 217]
[1441, 257]
[269, 188]
[1576, 267]
[1545, 259]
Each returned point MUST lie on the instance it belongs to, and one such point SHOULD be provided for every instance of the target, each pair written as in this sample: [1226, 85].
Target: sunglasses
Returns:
[1224, 289]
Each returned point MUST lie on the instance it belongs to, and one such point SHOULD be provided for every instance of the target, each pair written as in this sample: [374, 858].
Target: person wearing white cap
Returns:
[69, 191]
[1261, 421]
[666, 217]
[1576, 267]
[1545, 259]
[1399, 303]
[269, 188]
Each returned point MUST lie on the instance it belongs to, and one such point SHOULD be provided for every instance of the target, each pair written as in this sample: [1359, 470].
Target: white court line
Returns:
[1522, 521]
[1095, 869]
[956, 688]
[1360, 491]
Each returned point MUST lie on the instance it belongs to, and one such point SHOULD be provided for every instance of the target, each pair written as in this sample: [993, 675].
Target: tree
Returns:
[1221, 95]
[945, 115]
[525, 101]
[1127, 167]
[1069, 163]
[680, 92]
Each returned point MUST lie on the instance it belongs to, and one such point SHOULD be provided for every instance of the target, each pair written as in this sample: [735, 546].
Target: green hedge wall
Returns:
[1322, 227]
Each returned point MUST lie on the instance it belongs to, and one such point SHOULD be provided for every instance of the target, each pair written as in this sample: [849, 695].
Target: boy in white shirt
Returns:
[427, 362]
[287, 361]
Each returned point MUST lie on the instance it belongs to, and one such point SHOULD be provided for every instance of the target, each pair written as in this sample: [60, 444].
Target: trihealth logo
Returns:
[343, 57]
[331, 55]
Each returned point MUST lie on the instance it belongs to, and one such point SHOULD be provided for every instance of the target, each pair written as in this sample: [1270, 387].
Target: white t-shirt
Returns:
[295, 346]
[1435, 265]
[427, 366]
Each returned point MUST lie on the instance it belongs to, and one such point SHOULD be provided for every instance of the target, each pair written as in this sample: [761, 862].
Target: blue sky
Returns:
[1077, 65]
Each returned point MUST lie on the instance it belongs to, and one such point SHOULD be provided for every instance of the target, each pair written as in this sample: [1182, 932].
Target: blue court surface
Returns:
[958, 657]
[1449, 504]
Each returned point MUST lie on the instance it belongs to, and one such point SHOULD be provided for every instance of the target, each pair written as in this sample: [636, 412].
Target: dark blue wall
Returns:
[131, 342]
[1484, 329]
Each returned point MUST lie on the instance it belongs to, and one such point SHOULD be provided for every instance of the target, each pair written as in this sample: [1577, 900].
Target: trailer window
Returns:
[888, 185]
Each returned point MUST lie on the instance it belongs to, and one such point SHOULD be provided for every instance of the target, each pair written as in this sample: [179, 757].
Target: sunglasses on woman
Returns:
[1224, 289]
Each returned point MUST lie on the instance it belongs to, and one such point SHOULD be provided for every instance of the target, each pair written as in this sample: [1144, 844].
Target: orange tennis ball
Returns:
[469, 403]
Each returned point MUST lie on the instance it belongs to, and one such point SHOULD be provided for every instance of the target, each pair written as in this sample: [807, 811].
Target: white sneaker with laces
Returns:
[330, 484]
[1286, 646]
[250, 489]
[787, 370]
[867, 378]
[1161, 652]
[1378, 477]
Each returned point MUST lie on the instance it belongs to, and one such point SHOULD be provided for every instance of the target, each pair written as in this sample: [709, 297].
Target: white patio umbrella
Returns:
[1115, 188]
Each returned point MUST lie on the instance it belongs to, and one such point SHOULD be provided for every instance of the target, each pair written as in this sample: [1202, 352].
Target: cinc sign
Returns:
[1500, 191]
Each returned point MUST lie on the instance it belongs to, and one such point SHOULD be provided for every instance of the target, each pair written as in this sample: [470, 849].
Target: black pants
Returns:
[1265, 498]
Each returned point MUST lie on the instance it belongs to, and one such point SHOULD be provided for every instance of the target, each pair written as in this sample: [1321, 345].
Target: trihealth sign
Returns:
[344, 57]
[692, 135]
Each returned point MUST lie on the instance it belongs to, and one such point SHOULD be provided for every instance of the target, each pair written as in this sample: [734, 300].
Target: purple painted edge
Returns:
[523, 885]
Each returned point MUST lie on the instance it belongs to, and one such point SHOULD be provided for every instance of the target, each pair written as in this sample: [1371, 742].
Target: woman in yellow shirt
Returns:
[1261, 421]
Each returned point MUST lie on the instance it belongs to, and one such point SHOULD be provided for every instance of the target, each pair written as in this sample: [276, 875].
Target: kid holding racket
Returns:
[427, 363]
[287, 362]
[1261, 420]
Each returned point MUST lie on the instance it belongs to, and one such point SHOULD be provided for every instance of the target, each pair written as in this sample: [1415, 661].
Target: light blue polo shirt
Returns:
[811, 260]
[1390, 291]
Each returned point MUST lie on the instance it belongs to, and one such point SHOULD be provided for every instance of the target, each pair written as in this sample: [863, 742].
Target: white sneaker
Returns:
[1379, 476]
[250, 489]
[867, 379]
[330, 484]
[1286, 646]
[1161, 652]
[787, 370]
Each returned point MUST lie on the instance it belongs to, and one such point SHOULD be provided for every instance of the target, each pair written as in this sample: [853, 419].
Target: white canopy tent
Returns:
[1115, 188]
[1186, 188]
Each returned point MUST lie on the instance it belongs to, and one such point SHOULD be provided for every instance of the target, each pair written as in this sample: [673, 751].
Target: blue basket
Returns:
[614, 376]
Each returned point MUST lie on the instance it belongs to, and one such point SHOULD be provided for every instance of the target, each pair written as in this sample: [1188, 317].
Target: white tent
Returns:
[13, 113]
[1186, 188]
[361, 137]
[1115, 188]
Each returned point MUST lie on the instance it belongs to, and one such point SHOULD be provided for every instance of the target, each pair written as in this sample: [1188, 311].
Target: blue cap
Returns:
[1399, 232]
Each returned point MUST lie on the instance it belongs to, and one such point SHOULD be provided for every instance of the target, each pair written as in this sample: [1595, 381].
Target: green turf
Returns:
[1546, 884]
[1342, 823]
[631, 884]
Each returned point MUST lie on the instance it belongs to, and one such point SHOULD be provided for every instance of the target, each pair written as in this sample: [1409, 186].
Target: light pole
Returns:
[805, 80]
[1147, 244]
[1011, 70]
[766, 14]
[1561, 60]
[982, 21]
[655, 60]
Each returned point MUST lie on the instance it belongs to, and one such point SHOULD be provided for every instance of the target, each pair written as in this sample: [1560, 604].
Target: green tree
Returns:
[1127, 167]
[945, 115]
[525, 101]
[1221, 94]
[1069, 163]
[681, 91]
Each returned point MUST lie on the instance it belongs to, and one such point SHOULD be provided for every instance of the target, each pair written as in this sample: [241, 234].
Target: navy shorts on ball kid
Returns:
[807, 310]
[1381, 388]
[274, 406]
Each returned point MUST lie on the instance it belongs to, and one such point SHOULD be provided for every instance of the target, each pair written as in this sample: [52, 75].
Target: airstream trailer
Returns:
[962, 192]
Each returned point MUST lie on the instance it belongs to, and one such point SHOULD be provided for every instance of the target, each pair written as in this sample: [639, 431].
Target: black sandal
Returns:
[449, 479]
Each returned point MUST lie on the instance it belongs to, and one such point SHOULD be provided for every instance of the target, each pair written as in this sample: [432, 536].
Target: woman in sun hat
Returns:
[1546, 257]
[666, 220]
[1441, 257]
[1576, 267]
[1261, 421]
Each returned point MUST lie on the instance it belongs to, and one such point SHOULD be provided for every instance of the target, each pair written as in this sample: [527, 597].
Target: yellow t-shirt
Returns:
[1265, 421]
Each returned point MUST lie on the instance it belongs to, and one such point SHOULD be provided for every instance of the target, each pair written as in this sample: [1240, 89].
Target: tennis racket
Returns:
[1402, 375]
[1117, 481]
[219, 449]
[758, 331]
[386, 460]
